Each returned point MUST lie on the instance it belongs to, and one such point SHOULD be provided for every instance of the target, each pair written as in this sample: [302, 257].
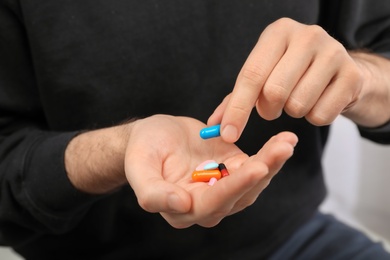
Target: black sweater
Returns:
[70, 66]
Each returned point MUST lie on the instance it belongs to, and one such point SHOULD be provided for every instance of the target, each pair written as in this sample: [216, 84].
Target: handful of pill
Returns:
[209, 171]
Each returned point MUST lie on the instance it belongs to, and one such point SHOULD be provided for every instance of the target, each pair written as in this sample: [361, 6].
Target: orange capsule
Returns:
[205, 176]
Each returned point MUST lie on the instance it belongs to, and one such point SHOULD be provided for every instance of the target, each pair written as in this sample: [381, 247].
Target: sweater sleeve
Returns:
[35, 193]
[361, 25]
[379, 134]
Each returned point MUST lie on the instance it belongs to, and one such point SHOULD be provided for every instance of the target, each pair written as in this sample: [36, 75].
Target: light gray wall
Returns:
[8, 254]
[358, 178]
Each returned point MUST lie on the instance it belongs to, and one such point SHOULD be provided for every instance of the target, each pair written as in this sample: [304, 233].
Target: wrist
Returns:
[371, 108]
[94, 160]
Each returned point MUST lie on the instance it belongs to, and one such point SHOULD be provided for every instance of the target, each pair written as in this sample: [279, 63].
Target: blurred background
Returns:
[358, 178]
[357, 173]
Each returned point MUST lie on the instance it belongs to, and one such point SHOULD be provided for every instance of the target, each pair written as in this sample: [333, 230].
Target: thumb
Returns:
[154, 194]
[161, 196]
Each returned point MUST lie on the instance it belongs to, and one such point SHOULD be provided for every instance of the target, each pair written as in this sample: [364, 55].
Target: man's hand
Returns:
[295, 68]
[162, 153]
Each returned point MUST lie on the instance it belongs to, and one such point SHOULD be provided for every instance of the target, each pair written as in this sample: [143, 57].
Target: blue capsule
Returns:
[210, 132]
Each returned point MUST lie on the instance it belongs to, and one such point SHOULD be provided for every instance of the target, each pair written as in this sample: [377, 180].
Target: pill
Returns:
[223, 170]
[205, 176]
[211, 166]
[210, 132]
[212, 181]
[200, 167]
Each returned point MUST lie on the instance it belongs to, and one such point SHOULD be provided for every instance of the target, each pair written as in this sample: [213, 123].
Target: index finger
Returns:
[254, 73]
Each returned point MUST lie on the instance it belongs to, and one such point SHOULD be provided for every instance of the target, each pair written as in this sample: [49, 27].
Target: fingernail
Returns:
[230, 133]
[174, 202]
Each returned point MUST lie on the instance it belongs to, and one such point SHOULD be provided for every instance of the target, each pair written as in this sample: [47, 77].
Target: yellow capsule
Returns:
[206, 175]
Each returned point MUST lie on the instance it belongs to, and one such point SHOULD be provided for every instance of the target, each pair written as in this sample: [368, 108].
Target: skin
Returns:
[294, 68]
[303, 71]
[158, 165]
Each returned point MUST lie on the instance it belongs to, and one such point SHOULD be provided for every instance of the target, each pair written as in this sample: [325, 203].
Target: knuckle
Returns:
[311, 35]
[283, 22]
[315, 32]
[354, 75]
[275, 93]
[358, 75]
[179, 225]
[175, 221]
[210, 223]
[339, 50]
[279, 26]
[345, 101]
[240, 107]
[260, 173]
[296, 108]
[217, 215]
[336, 53]
[245, 202]
[319, 119]
[211, 220]
[254, 74]
[144, 203]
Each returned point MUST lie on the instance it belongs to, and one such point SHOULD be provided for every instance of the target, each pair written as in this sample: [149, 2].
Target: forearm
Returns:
[94, 160]
[372, 108]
